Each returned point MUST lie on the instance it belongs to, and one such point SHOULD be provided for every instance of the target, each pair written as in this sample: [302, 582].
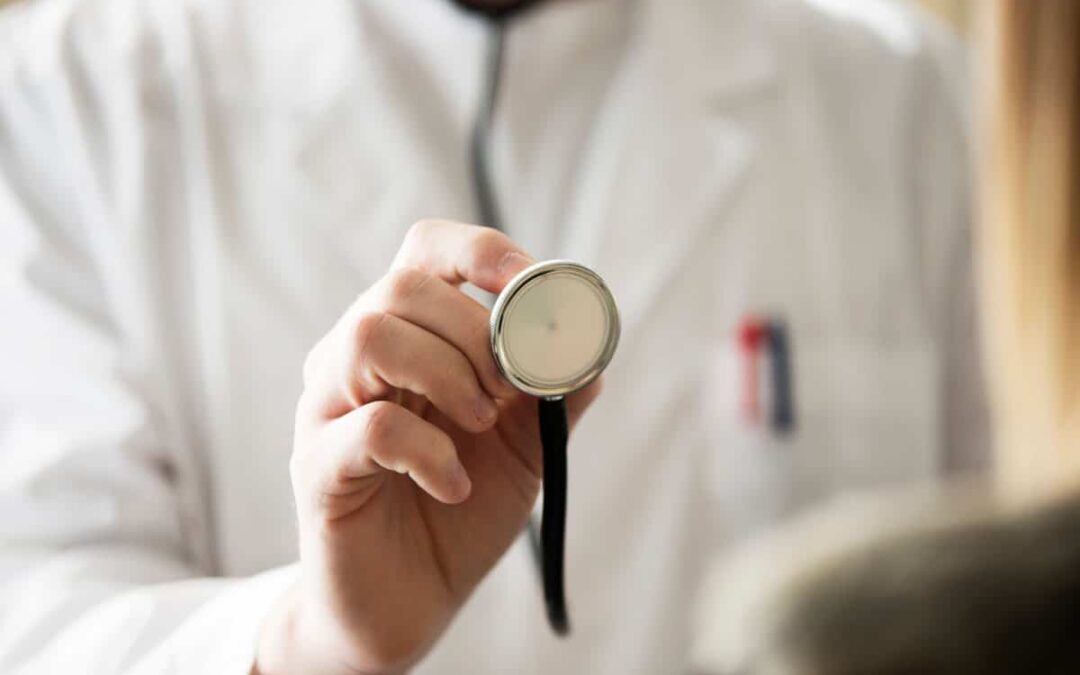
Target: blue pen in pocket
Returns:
[782, 414]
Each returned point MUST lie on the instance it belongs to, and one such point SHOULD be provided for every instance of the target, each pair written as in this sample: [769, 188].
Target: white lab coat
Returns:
[192, 191]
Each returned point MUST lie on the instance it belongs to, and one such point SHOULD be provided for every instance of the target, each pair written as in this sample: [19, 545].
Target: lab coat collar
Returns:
[692, 151]
[724, 49]
[666, 158]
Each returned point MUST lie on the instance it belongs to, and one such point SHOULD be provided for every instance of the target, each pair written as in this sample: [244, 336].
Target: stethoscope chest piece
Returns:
[554, 328]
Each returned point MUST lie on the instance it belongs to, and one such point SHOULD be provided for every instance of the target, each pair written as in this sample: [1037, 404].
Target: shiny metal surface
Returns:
[507, 311]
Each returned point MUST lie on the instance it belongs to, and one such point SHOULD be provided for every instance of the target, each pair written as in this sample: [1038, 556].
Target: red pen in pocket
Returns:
[752, 333]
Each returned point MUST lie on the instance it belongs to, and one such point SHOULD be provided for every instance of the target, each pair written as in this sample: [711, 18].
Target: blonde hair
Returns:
[1030, 242]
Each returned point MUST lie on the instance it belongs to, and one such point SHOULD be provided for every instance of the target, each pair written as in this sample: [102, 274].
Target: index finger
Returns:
[457, 253]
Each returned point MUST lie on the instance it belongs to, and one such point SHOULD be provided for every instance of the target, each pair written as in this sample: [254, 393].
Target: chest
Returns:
[697, 217]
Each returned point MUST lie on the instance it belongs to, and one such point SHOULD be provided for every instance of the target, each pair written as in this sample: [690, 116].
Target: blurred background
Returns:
[956, 12]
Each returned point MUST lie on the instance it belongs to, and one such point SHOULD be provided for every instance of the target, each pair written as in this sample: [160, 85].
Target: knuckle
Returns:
[445, 455]
[420, 229]
[337, 476]
[489, 246]
[452, 367]
[378, 424]
[365, 330]
[436, 461]
[403, 284]
[454, 377]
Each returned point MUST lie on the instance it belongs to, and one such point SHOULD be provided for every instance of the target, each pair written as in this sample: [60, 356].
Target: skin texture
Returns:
[415, 464]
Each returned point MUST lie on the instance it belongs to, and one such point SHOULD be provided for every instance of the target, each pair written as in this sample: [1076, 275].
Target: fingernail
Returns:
[485, 410]
[513, 262]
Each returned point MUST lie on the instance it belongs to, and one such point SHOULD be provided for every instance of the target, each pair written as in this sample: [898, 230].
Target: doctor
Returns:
[207, 214]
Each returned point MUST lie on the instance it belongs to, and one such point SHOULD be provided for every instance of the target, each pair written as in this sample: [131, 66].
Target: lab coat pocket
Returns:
[887, 415]
[864, 416]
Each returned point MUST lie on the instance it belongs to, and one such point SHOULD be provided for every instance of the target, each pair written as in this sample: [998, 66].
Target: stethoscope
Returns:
[554, 328]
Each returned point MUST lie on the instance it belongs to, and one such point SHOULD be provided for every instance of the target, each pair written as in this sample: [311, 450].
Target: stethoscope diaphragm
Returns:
[554, 328]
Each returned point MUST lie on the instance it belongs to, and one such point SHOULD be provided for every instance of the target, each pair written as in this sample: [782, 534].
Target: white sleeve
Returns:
[98, 570]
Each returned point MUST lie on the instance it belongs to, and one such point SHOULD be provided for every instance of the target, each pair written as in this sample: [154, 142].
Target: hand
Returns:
[415, 464]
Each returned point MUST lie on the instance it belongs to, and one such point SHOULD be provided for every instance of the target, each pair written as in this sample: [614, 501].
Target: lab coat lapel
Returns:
[670, 156]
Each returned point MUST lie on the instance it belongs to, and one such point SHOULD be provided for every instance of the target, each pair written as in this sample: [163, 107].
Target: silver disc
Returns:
[554, 328]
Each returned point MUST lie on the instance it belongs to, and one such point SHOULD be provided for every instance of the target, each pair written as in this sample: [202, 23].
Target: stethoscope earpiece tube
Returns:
[554, 432]
[486, 203]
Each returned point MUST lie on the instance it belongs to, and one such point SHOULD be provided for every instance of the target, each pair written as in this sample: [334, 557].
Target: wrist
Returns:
[285, 648]
[277, 644]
